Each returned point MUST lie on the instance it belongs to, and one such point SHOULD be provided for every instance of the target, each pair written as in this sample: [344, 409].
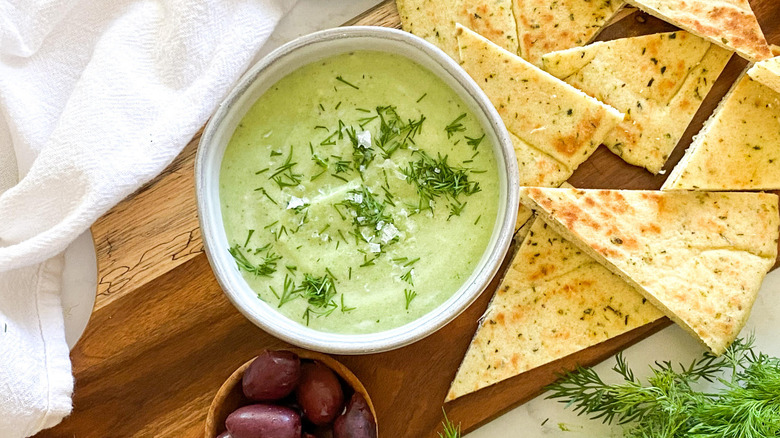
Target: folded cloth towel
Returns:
[96, 98]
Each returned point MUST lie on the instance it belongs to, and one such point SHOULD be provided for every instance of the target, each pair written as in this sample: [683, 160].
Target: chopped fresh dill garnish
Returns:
[335, 207]
[350, 273]
[367, 262]
[455, 126]
[318, 291]
[363, 110]
[319, 161]
[331, 274]
[344, 307]
[434, 178]
[284, 175]
[394, 134]
[362, 155]
[321, 127]
[422, 97]
[248, 236]
[329, 141]
[264, 192]
[456, 208]
[338, 105]
[275, 153]
[261, 171]
[340, 79]
[339, 177]
[288, 291]
[409, 295]
[408, 277]
[411, 262]
[271, 224]
[265, 268]
[474, 142]
[368, 211]
[478, 218]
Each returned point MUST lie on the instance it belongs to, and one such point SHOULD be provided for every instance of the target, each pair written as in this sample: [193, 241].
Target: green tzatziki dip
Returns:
[358, 193]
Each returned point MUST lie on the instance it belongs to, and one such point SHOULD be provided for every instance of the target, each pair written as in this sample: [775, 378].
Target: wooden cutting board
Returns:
[163, 337]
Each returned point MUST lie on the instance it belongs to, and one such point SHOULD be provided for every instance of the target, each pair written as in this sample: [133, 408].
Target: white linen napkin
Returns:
[96, 98]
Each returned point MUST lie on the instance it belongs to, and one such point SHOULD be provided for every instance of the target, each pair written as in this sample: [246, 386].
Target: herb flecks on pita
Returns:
[700, 257]
[435, 21]
[739, 146]
[730, 24]
[553, 301]
[544, 26]
[659, 81]
[543, 111]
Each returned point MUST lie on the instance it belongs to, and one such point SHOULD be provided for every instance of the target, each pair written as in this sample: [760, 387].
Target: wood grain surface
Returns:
[163, 337]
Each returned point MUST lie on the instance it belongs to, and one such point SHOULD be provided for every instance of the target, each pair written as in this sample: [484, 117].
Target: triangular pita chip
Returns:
[553, 301]
[728, 23]
[739, 146]
[543, 111]
[544, 26]
[767, 72]
[700, 257]
[435, 21]
[659, 81]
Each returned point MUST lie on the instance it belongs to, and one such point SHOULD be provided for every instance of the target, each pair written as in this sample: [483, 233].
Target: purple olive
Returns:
[357, 421]
[266, 421]
[319, 393]
[271, 376]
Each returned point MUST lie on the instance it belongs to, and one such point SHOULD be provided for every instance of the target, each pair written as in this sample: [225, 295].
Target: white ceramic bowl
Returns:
[252, 85]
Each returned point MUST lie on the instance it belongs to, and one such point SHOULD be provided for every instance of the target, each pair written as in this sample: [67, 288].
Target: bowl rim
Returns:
[279, 325]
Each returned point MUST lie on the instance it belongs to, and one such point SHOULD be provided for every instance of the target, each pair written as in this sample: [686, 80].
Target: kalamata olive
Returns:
[224, 434]
[357, 421]
[271, 376]
[319, 393]
[266, 421]
[307, 435]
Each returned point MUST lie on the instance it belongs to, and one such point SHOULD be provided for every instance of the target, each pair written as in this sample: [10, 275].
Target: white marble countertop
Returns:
[539, 417]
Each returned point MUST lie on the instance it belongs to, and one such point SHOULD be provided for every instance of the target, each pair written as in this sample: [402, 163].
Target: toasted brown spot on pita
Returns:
[573, 144]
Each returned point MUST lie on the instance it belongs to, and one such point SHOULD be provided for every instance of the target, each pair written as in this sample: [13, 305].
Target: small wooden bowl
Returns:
[231, 396]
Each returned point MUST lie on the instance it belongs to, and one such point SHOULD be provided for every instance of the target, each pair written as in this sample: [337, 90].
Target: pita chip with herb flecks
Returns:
[699, 257]
[659, 81]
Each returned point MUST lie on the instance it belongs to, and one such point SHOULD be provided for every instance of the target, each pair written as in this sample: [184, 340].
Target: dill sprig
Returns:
[409, 295]
[284, 176]
[474, 142]
[318, 291]
[669, 405]
[367, 210]
[435, 177]
[340, 79]
[265, 268]
[455, 126]
[450, 429]
[394, 134]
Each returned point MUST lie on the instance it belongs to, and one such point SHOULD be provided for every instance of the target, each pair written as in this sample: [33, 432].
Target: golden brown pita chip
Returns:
[700, 257]
[545, 26]
[553, 301]
[739, 146]
[659, 81]
[728, 23]
[435, 21]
